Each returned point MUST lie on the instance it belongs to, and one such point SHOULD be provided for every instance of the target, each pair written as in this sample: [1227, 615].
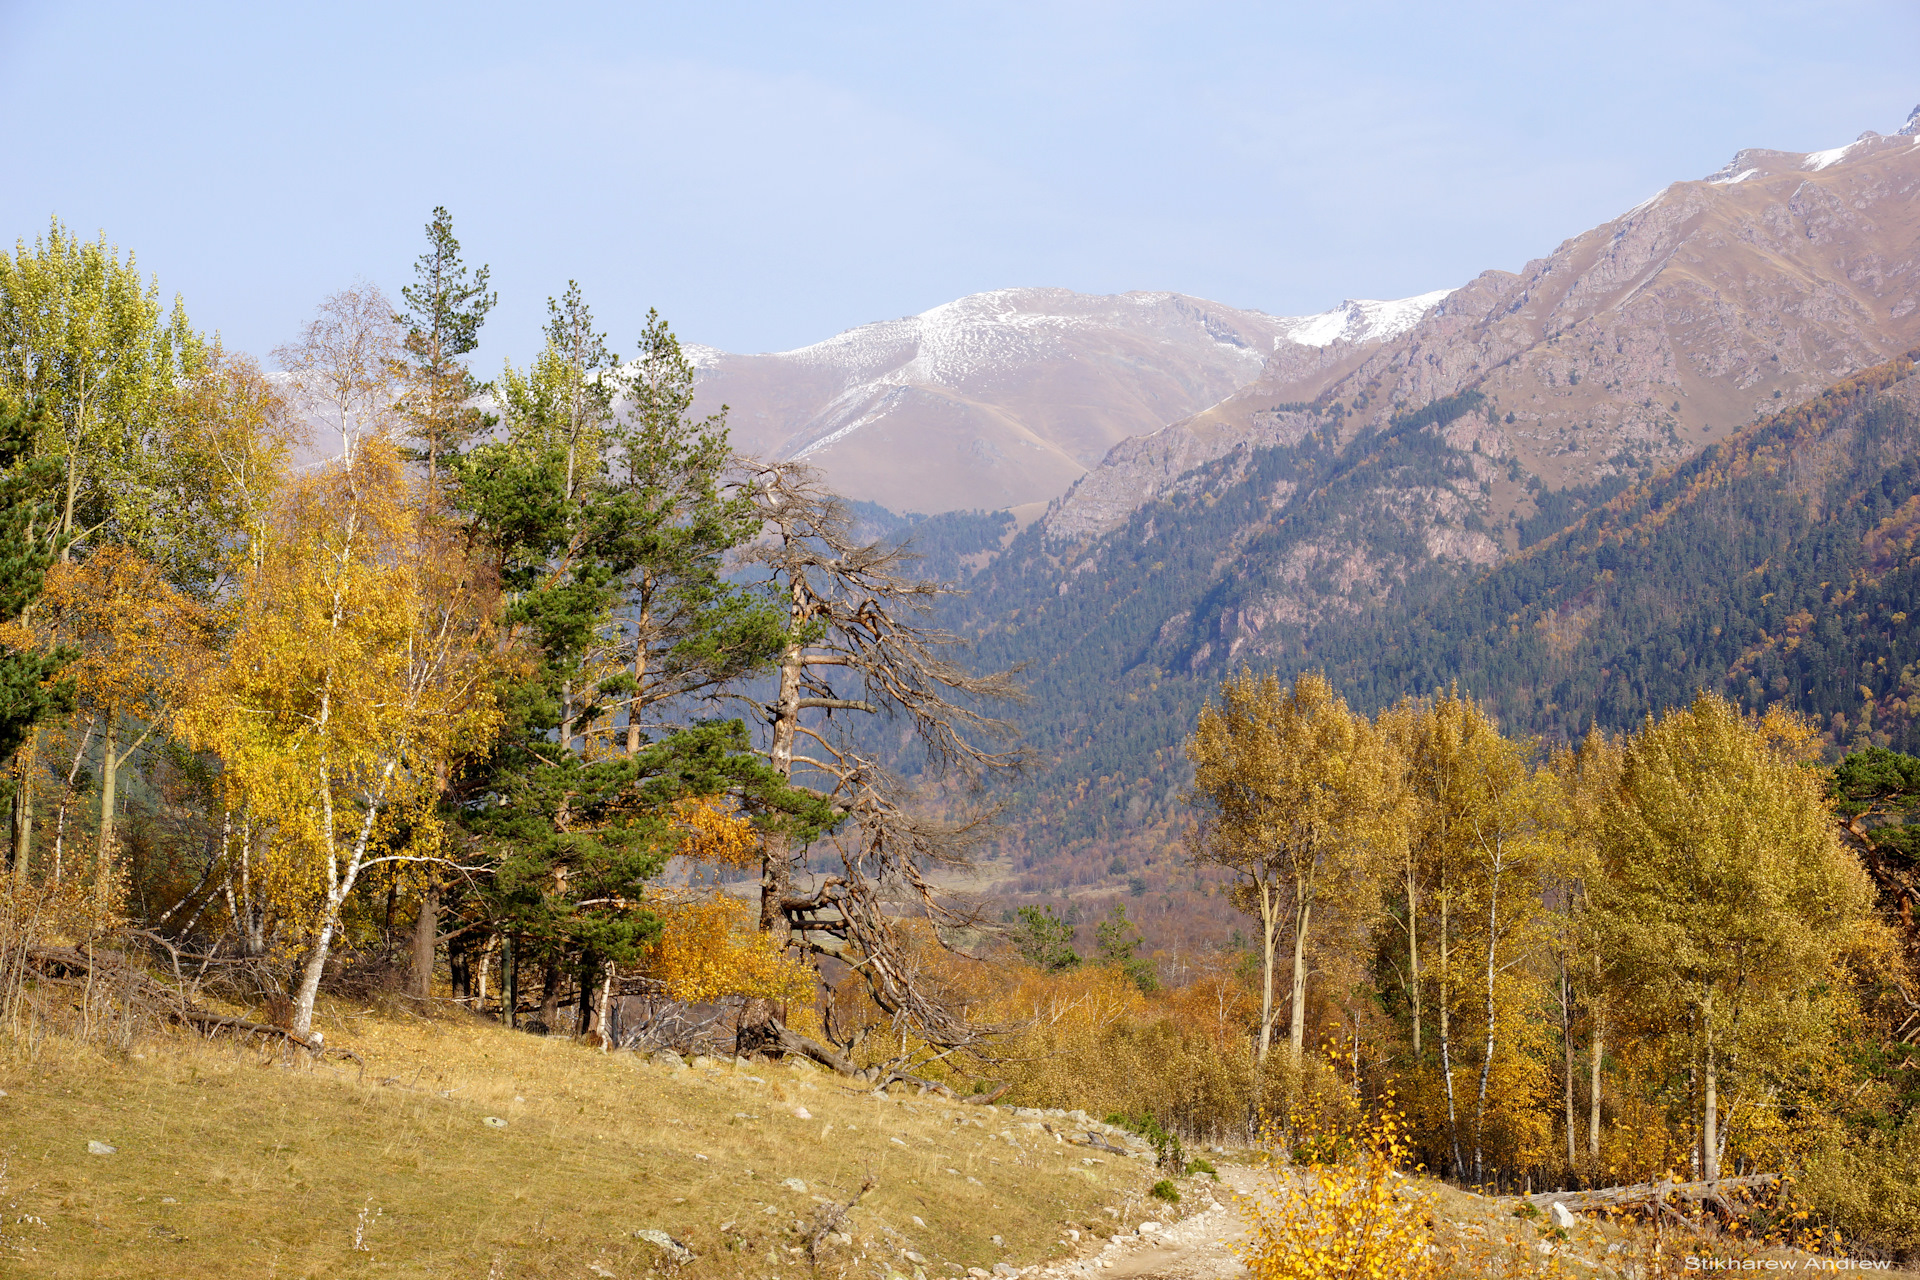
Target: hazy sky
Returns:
[768, 175]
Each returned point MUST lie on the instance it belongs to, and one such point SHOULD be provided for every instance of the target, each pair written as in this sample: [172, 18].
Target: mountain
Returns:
[1438, 507]
[1003, 399]
[1631, 346]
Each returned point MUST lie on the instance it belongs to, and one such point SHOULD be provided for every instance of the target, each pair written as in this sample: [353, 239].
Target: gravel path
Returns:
[1199, 1247]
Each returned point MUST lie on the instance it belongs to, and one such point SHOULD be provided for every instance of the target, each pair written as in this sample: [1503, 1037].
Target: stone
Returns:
[998, 1242]
[1148, 1228]
[1563, 1216]
[794, 1184]
[918, 1260]
[801, 1113]
[100, 1149]
[666, 1244]
[494, 1122]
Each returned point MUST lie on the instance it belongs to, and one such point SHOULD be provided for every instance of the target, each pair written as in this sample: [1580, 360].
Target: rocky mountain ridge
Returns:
[1631, 346]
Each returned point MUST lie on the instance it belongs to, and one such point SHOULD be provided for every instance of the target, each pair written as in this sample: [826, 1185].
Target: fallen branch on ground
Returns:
[1646, 1195]
[832, 1216]
[103, 963]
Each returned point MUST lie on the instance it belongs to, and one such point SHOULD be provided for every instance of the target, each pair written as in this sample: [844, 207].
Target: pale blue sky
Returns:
[770, 174]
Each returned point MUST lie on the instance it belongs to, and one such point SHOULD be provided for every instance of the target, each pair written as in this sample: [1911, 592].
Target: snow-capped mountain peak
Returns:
[1360, 320]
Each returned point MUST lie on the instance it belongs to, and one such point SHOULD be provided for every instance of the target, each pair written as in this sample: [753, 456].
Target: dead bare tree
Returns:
[860, 641]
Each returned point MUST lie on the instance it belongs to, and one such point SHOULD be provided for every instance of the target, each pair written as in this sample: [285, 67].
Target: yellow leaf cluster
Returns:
[709, 834]
[1330, 1219]
[710, 949]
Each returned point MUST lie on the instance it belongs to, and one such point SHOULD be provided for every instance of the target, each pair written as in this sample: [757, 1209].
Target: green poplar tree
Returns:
[30, 542]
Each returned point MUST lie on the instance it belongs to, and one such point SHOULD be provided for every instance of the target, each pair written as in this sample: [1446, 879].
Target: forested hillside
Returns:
[1775, 567]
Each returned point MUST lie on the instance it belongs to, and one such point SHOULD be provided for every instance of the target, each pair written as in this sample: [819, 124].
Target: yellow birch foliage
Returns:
[138, 639]
[356, 680]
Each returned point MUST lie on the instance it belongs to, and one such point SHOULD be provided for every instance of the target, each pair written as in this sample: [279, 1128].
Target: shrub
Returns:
[1165, 1190]
[1356, 1218]
[1203, 1166]
[1868, 1191]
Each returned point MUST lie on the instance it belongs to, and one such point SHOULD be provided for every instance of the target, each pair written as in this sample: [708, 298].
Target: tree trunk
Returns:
[426, 932]
[1710, 1132]
[1297, 1025]
[103, 856]
[1596, 1037]
[759, 1029]
[1486, 1062]
[640, 624]
[22, 832]
[509, 985]
[550, 996]
[1446, 1046]
[1267, 926]
[583, 1025]
[1566, 1047]
[1413, 953]
[309, 988]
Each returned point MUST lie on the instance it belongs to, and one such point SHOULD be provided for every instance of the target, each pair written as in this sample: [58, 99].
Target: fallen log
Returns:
[1647, 1195]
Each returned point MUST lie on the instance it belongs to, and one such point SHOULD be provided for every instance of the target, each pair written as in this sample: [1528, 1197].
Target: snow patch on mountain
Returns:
[1360, 320]
[702, 357]
[1818, 160]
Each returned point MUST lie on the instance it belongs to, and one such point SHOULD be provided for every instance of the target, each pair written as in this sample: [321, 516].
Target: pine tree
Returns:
[445, 309]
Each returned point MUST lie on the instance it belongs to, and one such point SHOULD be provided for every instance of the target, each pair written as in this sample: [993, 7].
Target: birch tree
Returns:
[356, 682]
[344, 366]
[1290, 784]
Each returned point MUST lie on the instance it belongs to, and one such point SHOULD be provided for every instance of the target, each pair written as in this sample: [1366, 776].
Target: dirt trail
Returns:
[1199, 1247]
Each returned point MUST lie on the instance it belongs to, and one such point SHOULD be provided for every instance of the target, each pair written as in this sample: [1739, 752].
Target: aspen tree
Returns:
[1290, 785]
[1726, 892]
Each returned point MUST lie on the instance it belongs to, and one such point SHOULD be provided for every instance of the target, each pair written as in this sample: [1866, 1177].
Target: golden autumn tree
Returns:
[355, 682]
[1728, 905]
[139, 640]
[1289, 784]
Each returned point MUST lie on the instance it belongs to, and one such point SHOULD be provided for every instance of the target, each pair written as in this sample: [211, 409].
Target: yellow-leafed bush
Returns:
[1331, 1219]
[708, 950]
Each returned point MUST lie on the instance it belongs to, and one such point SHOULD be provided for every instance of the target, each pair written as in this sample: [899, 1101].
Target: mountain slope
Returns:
[1634, 344]
[1778, 566]
[1005, 398]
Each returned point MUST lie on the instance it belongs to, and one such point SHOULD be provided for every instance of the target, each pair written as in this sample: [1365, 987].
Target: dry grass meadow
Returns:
[234, 1161]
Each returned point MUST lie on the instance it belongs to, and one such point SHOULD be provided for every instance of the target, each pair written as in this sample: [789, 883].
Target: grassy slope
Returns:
[232, 1163]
